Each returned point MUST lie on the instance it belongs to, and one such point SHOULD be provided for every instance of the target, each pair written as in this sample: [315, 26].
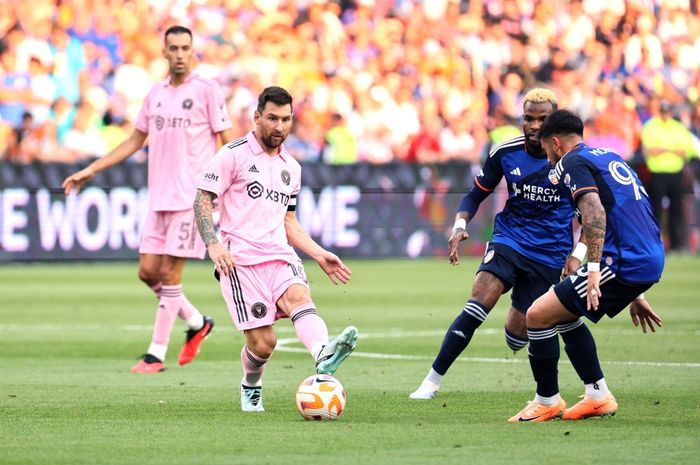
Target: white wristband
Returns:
[460, 223]
[594, 266]
[640, 297]
[579, 251]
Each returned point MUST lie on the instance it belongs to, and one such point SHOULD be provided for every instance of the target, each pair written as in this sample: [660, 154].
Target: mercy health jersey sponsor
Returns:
[536, 219]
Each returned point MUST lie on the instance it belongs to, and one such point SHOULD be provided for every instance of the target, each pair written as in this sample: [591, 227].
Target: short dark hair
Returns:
[561, 123]
[177, 30]
[274, 94]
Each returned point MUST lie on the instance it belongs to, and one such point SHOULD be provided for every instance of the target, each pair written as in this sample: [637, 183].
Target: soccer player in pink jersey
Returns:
[182, 117]
[262, 278]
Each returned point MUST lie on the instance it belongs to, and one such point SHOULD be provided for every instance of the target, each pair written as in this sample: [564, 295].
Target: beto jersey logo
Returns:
[259, 310]
[255, 191]
[187, 104]
[286, 177]
[211, 177]
[171, 122]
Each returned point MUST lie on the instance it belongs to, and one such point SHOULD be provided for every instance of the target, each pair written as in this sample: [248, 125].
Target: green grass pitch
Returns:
[70, 333]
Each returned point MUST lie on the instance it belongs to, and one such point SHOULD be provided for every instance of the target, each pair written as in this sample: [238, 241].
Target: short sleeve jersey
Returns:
[536, 219]
[633, 247]
[181, 123]
[255, 192]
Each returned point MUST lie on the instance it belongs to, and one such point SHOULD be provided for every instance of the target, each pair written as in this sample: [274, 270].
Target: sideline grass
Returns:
[71, 332]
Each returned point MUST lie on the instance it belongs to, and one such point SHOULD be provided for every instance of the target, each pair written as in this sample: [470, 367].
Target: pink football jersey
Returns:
[181, 123]
[255, 192]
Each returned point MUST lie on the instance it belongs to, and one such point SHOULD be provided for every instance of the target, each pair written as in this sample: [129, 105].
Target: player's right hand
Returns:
[642, 314]
[458, 235]
[74, 182]
[221, 258]
[572, 264]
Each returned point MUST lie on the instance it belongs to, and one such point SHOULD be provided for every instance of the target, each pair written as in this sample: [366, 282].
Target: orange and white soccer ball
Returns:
[320, 397]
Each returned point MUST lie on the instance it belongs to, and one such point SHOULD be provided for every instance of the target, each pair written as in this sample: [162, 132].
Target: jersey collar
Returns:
[257, 149]
[167, 81]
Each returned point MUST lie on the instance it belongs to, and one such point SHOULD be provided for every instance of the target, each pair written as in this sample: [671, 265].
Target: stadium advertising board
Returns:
[355, 211]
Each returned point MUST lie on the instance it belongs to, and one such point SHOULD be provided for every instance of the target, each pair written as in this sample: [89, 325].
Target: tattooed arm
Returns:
[203, 206]
[593, 217]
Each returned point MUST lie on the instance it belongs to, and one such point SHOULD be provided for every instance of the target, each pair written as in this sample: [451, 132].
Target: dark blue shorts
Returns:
[617, 294]
[527, 278]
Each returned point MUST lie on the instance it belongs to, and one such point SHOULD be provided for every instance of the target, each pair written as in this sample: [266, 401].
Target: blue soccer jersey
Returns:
[633, 247]
[536, 220]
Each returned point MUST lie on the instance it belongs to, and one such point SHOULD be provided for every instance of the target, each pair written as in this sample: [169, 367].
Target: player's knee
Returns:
[169, 274]
[148, 276]
[537, 317]
[263, 346]
[294, 297]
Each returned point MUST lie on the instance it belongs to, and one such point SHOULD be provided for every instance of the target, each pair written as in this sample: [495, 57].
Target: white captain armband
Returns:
[579, 251]
[460, 223]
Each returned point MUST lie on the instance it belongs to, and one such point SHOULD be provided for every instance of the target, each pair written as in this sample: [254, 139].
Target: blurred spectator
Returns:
[15, 90]
[667, 145]
[391, 67]
[340, 144]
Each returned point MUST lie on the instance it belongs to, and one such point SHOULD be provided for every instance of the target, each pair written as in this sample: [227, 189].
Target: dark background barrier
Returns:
[356, 211]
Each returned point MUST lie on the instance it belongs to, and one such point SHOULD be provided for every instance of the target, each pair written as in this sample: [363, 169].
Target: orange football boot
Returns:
[194, 339]
[147, 365]
[534, 411]
[589, 407]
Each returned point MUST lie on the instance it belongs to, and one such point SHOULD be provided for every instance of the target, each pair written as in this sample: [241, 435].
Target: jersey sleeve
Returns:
[219, 174]
[490, 175]
[219, 119]
[144, 115]
[579, 177]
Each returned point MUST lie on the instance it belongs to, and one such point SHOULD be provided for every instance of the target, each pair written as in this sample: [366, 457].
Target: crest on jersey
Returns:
[160, 122]
[567, 180]
[187, 104]
[259, 310]
[286, 177]
[553, 178]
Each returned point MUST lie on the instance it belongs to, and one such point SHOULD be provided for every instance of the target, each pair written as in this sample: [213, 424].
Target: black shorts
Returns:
[617, 294]
[527, 278]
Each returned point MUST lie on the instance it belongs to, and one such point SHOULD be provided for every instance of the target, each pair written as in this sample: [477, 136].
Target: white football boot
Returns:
[426, 390]
[251, 398]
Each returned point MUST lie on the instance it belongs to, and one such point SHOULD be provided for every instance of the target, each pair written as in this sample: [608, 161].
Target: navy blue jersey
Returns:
[633, 247]
[536, 220]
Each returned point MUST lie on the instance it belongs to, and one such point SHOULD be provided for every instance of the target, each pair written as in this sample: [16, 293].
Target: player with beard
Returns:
[531, 240]
[182, 117]
[261, 277]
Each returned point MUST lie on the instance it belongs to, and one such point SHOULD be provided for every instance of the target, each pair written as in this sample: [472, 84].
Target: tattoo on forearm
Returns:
[594, 224]
[202, 213]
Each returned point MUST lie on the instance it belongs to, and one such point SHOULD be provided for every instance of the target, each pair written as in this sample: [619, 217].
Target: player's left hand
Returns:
[334, 267]
[593, 291]
[642, 313]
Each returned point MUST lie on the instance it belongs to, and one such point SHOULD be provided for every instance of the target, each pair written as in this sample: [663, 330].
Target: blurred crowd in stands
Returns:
[374, 80]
